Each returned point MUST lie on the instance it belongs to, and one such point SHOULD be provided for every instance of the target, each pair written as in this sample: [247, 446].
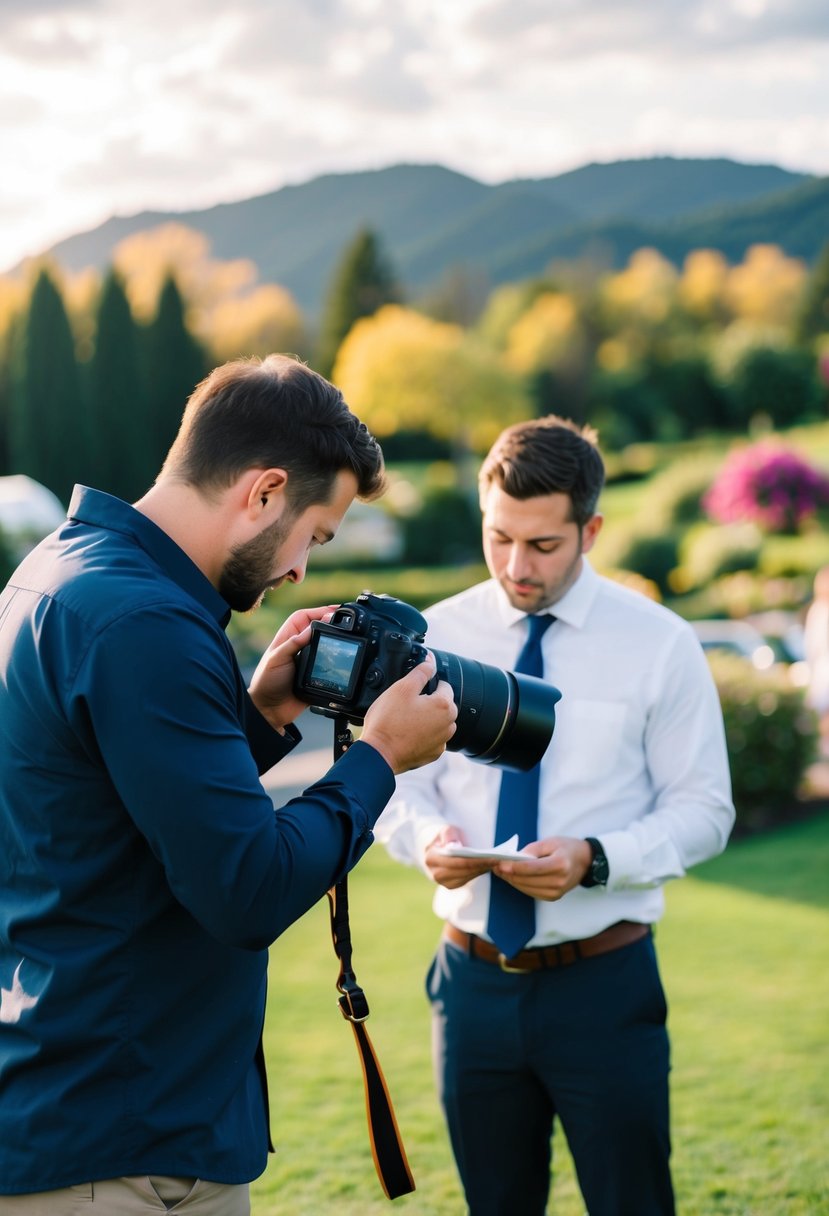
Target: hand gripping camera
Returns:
[504, 718]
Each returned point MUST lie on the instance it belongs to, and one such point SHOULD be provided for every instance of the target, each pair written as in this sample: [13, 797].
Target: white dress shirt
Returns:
[638, 757]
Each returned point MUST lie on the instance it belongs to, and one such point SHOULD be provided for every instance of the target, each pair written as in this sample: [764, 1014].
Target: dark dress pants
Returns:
[585, 1043]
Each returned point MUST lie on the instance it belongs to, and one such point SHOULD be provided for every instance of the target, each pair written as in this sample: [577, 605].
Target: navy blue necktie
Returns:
[511, 921]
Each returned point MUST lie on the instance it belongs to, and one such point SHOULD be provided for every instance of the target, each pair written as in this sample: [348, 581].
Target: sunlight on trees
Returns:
[766, 286]
[265, 320]
[644, 291]
[648, 353]
[14, 294]
[548, 335]
[401, 370]
[505, 307]
[146, 258]
[702, 283]
[227, 309]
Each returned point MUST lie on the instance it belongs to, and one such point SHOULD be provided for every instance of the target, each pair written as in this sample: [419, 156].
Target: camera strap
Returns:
[387, 1148]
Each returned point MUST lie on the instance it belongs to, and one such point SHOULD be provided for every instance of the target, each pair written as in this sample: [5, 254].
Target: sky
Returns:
[115, 106]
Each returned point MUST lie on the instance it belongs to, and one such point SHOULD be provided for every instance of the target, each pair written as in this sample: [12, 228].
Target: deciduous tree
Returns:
[401, 370]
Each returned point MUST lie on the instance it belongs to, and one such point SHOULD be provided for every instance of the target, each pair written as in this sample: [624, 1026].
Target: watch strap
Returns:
[598, 871]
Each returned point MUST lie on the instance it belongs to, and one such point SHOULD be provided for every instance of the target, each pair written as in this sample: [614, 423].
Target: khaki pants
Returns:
[133, 1197]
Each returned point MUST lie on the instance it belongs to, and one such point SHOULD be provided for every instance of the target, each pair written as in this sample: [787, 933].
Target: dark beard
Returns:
[246, 575]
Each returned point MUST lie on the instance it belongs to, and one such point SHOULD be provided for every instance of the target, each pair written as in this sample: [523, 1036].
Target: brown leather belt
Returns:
[539, 958]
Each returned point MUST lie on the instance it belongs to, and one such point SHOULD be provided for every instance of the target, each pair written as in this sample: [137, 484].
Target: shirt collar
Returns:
[573, 607]
[102, 510]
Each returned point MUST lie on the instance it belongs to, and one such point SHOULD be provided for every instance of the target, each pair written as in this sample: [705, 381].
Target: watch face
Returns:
[599, 869]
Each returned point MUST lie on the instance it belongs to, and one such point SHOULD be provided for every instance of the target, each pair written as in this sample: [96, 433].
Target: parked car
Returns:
[737, 637]
[763, 650]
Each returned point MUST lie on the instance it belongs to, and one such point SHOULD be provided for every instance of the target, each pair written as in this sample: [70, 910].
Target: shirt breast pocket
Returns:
[588, 738]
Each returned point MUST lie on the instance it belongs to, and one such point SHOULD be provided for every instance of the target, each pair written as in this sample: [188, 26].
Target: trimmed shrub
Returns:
[653, 555]
[771, 737]
[707, 552]
[674, 497]
[446, 530]
[789, 556]
[782, 385]
[738, 595]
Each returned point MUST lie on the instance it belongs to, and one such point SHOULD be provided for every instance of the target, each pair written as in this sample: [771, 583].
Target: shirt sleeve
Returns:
[267, 746]
[157, 699]
[687, 758]
[412, 819]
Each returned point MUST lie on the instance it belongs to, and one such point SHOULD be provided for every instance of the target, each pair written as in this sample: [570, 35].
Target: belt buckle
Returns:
[503, 963]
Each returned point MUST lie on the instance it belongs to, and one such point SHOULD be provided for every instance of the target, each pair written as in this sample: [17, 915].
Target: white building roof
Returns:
[27, 507]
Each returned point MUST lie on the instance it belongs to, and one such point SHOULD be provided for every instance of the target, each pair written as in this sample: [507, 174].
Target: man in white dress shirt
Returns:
[634, 789]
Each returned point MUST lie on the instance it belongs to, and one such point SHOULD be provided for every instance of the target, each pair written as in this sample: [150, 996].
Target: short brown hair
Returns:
[548, 455]
[274, 413]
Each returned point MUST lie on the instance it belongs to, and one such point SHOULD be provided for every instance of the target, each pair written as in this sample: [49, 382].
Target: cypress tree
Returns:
[8, 345]
[48, 437]
[361, 284]
[121, 431]
[176, 363]
[813, 316]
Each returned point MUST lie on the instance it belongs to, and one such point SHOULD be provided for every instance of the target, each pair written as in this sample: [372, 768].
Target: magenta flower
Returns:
[769, 485]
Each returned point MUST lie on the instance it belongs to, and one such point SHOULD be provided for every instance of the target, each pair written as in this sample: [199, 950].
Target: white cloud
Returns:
[107, 106]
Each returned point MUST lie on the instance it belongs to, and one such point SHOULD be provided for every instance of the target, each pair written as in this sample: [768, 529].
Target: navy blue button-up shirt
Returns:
[143, 869]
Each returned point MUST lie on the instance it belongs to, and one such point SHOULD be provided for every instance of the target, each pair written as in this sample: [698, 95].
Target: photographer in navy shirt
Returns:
[143, 869]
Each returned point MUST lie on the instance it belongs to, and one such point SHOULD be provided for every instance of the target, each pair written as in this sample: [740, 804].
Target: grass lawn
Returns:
[744, 949]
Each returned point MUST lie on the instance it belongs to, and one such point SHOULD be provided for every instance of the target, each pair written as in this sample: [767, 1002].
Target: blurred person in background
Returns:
[816, 645]
[546, 995]
[143, 869]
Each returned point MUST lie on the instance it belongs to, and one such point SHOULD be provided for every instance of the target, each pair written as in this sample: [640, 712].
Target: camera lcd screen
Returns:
[335, 661]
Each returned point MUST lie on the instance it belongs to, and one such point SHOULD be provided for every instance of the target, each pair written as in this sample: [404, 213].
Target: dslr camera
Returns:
[504, 718]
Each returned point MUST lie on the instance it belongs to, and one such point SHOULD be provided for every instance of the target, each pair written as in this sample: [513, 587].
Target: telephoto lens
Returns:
[504, 718]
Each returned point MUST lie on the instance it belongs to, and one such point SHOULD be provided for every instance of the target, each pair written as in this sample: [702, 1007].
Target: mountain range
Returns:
[433, 221]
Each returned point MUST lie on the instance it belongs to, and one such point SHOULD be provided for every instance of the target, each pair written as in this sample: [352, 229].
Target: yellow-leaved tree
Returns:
[400, 370]
[766, 287]
[643, 293]
[702, 284]
[549, 335]
[227, 308]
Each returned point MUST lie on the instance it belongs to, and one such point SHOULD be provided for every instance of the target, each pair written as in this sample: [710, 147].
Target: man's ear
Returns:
[267, 491]
[590, 531]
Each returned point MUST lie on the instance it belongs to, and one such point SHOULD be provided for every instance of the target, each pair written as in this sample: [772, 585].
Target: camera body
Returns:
[366, 646]
[504, 718]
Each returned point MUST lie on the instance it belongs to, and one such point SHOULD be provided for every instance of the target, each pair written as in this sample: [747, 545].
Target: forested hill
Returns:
[432, 220]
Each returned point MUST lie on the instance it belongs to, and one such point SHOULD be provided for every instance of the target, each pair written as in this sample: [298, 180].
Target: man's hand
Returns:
[407, 729]
[553, 867]
[450, 871]
[271, 688]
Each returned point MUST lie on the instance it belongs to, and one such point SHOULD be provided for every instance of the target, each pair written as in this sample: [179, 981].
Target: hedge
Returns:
[771, 737]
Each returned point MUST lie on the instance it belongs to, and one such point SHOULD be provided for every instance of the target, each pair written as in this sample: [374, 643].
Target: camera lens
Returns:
[504, 718]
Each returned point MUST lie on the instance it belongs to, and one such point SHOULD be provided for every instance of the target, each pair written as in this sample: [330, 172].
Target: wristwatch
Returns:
[598, 873]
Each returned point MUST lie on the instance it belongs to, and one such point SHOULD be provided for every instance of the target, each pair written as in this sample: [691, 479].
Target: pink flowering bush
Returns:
[768, 485]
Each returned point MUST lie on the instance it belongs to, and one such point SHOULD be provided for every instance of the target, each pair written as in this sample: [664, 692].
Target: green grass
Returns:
[744, 950]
